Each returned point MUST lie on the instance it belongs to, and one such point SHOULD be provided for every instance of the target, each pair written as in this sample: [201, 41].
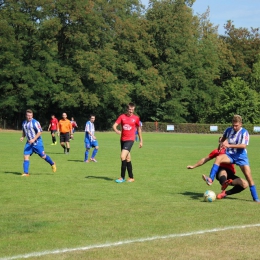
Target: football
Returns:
[209, 196]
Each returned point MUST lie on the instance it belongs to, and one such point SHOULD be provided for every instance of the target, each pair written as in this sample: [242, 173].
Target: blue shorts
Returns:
[89, 144]
[238, 159]
[29, 149]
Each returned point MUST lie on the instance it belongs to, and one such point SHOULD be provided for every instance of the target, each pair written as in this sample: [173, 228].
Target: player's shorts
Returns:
[29, 149]
[64, 137]
[230, 174]
[126, 145]
[89, 144]
[238, 159]
[53, 131]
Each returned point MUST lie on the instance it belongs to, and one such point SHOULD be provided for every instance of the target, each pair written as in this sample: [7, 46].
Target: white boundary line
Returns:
[140, 240]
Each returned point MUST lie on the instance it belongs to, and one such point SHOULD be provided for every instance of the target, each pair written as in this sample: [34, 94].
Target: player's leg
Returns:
[62, 142]
[94, 153]
[129, 168]
[26, 159]
[124, 154]
[247, 172]
[54, 141]
[67, 141]
[87, 146]
[39, 149]
[223, 158]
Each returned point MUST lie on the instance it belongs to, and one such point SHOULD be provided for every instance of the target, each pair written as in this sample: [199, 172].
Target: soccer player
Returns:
[90, 139]
[74, 125]
[225, 175]
[65, 131]
[235, 139]
[129, 122]
[32, 131]
[53, 126]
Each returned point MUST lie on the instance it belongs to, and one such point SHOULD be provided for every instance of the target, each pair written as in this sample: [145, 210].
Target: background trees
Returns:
[95, 56]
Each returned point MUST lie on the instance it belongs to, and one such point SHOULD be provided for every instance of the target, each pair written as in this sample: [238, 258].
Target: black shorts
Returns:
[126, 145]
[230, 174]
[64, 137]
[53, 131]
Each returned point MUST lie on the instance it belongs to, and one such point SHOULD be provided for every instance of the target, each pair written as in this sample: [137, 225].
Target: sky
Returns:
[243, 13]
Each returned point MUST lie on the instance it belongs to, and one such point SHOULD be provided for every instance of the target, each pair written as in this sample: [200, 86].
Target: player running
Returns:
[53, 127]
[32, 131]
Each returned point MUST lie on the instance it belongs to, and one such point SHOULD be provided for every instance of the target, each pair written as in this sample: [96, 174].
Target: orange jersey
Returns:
[65, 126]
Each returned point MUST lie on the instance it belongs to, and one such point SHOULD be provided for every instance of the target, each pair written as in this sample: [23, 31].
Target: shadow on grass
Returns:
[76, 161]
[15, 173]
[196, 196]
[99, 177]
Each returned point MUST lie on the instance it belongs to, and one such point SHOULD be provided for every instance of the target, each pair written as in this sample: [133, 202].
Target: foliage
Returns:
[90, 56]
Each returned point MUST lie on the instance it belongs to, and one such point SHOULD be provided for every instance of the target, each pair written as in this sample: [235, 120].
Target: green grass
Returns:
[81, 205]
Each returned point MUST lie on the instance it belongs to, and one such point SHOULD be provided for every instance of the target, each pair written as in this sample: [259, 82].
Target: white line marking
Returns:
[66, 250]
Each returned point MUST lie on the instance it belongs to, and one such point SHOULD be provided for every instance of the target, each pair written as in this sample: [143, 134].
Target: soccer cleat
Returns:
[207, 180]
[257, 200]
[86, 161]
[226, 184]
[25, 175]
[222, 195]
[131, 180]
[120, 180]
[93, 160]
[54, 168]
[53, 144]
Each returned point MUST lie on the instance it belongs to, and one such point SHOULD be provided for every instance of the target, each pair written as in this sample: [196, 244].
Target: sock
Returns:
[123, 169]
[130, 169]
[86, 155]
[94, 153]
[48, 160]
[213, 172]
[68, 150]
[222, 179]
[53, 139]
[26, 165]
[234, 190]
[253, 192]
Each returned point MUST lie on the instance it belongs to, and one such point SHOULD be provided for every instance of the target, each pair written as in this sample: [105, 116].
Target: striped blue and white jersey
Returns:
[89, 128]
[30, 130]
[239, 137]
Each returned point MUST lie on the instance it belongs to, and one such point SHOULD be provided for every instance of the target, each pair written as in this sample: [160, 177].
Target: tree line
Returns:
[95, 56]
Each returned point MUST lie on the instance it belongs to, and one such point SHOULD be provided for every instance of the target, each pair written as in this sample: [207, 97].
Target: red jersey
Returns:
[216, 153]
[128, 125]
[54, 123]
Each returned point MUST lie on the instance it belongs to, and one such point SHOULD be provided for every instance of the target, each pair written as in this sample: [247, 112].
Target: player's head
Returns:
[92, 118]
[64, 115]
[52, 116]
[237, 122]
[29, 114]
[72, 119]
[130, 108]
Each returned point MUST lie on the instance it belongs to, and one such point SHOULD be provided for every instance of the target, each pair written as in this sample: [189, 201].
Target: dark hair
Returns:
[131, 104]
[91, 115]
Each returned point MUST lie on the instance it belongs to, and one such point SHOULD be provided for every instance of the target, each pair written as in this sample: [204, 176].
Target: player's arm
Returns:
[115, 128]
[70, 128]
[238, 146]
[199, 163]
[49, 127]
[23, 135]
[58, 129]
[140, 136]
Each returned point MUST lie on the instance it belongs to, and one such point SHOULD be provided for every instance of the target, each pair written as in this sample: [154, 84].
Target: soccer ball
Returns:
[209, 196]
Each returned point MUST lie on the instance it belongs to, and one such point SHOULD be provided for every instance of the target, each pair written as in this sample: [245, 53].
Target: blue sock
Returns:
[26, 165]
[253, 192]
[86, 155]
[213, 171]
[94, 153]
[48, 160]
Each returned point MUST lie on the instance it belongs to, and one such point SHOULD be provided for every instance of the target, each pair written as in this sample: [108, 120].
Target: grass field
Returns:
[79, 212]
